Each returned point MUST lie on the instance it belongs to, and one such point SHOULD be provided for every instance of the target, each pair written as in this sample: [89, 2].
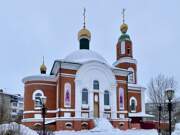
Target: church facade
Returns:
[83, 87]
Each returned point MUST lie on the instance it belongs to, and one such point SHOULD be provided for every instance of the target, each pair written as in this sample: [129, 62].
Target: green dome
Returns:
[124, 37]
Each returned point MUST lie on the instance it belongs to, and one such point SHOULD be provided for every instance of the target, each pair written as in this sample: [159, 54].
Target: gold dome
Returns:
[124, 28]
[43, 68]
[84, 33]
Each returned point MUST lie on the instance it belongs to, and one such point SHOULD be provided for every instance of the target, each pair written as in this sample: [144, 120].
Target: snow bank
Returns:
[21, 129]
[102, 124]
[177, 129]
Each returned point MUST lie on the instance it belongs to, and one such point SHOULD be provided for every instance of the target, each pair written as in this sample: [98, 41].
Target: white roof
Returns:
[140, 114]
[84, 55]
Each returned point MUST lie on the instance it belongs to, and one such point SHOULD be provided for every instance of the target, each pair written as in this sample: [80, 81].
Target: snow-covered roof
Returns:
[84, 55]
[135, 86]
[140, 114]
[41, 77]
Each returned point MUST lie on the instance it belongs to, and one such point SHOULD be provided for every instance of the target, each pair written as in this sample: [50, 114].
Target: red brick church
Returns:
[84, 86]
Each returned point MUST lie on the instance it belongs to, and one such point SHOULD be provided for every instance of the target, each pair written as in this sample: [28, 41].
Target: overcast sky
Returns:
[32, 29]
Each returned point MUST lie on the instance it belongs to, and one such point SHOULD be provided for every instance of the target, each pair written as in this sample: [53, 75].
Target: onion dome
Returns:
[84, 33]
[43, 68]
[124, 28]
[124, 36]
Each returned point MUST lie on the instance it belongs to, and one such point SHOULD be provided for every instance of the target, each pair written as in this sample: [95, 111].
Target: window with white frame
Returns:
[85, 96]
[67, 95]
[96, 84]
[37, 95]
[131, 76]
[37, 100]
[133, 104]
[106, 97]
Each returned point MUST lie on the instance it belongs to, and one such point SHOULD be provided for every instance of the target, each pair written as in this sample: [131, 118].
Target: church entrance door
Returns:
[96, 105]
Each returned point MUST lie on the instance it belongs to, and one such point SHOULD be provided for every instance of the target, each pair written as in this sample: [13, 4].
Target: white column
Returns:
[143, 100]
[78, 97]
[113, 102]
[91, 103]
[101, 103]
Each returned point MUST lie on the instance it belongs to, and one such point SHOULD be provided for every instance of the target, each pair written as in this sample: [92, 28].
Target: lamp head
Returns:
[43, 100]
[169, 93]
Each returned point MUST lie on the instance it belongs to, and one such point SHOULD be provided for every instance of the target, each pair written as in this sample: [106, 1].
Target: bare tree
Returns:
[156, 93]
[157, 87]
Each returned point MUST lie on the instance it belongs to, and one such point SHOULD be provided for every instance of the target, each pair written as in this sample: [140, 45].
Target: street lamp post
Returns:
[43, 101]
[169, 94]
[159, 109]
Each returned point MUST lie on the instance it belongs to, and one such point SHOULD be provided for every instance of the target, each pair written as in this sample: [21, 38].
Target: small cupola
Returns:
[123, 28]
[84, 35]
[43, 67]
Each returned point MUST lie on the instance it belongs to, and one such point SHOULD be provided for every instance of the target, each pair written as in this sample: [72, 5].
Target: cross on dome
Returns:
[123, 14]
[123, 27]
[84, 35]
[84, 15]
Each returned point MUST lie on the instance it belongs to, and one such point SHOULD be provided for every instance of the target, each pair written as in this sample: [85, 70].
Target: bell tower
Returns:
[124, 52]
[124, 45]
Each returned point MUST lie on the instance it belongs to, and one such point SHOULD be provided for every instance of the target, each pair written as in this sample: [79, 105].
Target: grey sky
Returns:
[32, 29]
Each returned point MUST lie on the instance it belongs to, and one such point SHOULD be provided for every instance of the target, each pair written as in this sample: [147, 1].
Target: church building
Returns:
[83, 87]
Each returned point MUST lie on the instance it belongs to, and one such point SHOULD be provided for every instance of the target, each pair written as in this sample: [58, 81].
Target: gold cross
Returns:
[123, 14]
[84, 15]
[43, 59]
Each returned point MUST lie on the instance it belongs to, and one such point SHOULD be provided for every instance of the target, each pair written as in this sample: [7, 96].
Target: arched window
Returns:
[131, 77]
[128, 50]
[121, 98]
[133, 104]
[38, 100]
[106, 97]
[85, 96]
[123, 48]
[67, 95]
[36, 97]
[96, 84]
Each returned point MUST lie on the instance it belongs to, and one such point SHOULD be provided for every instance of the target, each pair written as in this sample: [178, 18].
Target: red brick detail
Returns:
[76, 125]
[136, 125]
[32, 125]
[48, 90]
[138, 98]
[123, 125]
[61, 82]
[127, 65]
[128, 45]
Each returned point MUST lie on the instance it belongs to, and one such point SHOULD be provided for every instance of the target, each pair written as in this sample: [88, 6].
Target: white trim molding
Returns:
[33, 83]
[125, 60]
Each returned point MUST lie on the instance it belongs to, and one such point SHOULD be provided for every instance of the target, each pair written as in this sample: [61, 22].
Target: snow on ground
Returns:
[22, 130]
[102, 124]
[103, 127]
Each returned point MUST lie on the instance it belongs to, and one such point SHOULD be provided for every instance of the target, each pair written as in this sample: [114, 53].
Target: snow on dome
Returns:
[84, 55]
